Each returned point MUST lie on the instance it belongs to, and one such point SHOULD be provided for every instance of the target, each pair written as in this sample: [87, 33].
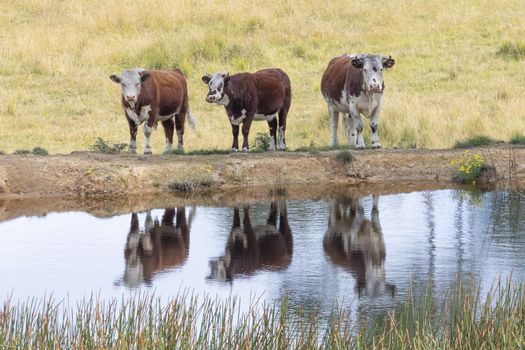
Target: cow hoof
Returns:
[245, 150]
[360, 147]
[234, 150]
[282, 148]
[148, 153]
[376, 146]
[132, 151]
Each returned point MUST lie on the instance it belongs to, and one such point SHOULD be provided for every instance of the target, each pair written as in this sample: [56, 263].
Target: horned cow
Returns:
[153, 96]
[252, 96]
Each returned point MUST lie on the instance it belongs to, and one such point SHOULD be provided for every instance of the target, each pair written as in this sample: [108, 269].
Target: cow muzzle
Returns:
[210, 98]
[375, 88]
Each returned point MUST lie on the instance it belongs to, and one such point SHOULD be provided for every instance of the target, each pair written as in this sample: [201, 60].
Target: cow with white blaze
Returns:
[252, 96]
[354, 85]
[151, 96]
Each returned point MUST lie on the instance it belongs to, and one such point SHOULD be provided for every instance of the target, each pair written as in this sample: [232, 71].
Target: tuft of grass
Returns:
[344, 157]
[191, 181]
[2, 153]
[518, 140]
[262, 142]
[203, 152]
[476, 141]
[514, 51]
[39, 151]
[22, 151]
[102, 146]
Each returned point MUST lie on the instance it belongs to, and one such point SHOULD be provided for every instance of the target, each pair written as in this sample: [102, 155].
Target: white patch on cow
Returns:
[168, 146]
[272, 144]
[133, 146]
[144, 114]
[179, 137]
[334, 123]
[239, 120]
[225, 100]
[147, 134]
[268, 118]
[282, 146]
[132, 115]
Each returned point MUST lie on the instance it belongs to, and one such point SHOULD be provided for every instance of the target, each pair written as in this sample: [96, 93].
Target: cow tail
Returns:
[192, 121]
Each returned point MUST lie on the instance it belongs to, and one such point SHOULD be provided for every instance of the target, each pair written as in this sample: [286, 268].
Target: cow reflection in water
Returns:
[158, 246]
[252, 248]
[356, 243]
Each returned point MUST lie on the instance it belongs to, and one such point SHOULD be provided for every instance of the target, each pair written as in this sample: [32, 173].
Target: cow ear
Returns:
[144, 77]
[358, 63]
[388, 62]
[206, 78]
[226, 79]
[115, 78]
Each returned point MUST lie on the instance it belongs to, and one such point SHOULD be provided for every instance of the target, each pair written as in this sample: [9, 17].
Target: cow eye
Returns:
[375, 69]
[219, 87]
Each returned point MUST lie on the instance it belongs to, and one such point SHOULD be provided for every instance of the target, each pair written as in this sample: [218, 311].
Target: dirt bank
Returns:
[90, 175]
[109, 184]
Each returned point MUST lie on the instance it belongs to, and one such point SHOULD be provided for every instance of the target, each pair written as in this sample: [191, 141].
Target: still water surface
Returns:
[361, 252]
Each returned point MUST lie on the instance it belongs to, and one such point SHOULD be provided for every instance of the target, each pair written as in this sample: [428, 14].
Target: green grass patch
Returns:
[191, 180]
[106, 147]
[208, 151]
[518, 140]
[514, 51]
[344, 157]
[39, 151]
[262, 142]
[476, 141]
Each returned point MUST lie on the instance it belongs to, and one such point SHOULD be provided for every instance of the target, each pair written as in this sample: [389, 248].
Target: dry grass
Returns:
[448, 83]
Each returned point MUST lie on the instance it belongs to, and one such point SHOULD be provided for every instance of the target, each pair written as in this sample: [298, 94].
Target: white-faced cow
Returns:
[156, 247]
[353, 85]
[356, 243]
[252, 96]
[153, 96]
[252, 248]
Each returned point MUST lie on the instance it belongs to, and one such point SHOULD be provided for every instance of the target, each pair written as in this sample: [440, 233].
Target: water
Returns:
[360, 252]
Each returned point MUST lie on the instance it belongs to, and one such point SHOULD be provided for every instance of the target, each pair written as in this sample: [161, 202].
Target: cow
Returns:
[159, 246]
[354, 85]
[252, 248]
[356, 243]
[153, 96]
[252, 96]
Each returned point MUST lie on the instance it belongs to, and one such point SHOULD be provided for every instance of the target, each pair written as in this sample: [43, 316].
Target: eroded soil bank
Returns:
[104, 184]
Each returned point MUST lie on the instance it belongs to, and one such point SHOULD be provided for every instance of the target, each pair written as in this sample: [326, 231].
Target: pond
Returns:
[364, 252]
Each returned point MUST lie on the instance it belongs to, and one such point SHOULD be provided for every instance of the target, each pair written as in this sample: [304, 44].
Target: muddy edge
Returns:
[114, 183]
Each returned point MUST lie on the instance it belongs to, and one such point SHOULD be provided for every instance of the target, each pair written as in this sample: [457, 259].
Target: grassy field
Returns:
[464, 320]
[459, 65]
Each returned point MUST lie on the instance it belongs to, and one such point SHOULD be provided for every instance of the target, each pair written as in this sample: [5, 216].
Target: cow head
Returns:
[372, 67]
[131, 83]
[216, 85]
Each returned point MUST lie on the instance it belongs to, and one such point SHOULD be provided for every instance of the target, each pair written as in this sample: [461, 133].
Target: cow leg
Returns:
[358, 123]
[334, 124]
[350, 129]
[133, 135]
[148, 128]
[272, 124]
[235, 132]
[168, 133]
[272, 217]
[282, 125]
[179, 125]
[374, 125]
[246, 131]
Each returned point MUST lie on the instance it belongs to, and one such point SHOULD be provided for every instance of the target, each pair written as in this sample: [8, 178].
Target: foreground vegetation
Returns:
[463, 320]
[457, 69]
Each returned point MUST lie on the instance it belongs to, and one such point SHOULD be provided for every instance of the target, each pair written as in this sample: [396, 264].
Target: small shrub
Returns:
[102, 146]
[22, 151]
[262, 142]
[518, 140]
[514, 51]
[476, 141]
[344, 157]
[468, 167]
[39, 151]
[2, 153]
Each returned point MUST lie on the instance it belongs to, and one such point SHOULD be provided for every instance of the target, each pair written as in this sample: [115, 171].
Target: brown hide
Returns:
[340, 73]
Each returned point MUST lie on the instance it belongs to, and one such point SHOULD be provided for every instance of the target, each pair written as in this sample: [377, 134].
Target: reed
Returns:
[463, 319]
